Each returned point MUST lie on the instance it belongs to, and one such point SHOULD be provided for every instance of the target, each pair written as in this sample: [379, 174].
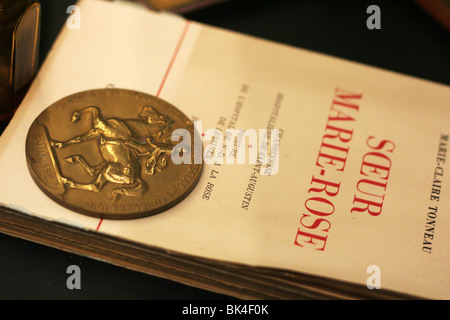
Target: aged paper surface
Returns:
[362, 172]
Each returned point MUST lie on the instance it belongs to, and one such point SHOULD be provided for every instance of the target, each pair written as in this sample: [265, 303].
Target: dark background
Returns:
[409, 42]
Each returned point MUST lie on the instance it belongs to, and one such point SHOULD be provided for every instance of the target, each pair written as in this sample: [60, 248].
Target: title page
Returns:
[356, 173]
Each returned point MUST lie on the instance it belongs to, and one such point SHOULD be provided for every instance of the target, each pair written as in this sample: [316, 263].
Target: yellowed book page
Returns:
[359, 183]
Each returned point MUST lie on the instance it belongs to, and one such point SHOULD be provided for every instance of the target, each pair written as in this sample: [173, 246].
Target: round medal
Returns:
[107, 153]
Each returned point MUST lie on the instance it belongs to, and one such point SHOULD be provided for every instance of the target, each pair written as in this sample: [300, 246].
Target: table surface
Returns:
[409, 42]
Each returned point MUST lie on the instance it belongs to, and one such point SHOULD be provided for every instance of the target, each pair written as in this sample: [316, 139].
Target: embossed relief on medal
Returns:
[107, 153]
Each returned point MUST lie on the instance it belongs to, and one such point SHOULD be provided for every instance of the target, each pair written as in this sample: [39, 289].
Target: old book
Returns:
[351, 202]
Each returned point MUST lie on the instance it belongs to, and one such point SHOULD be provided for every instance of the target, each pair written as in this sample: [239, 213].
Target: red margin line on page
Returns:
[175, 54]
[169, 68]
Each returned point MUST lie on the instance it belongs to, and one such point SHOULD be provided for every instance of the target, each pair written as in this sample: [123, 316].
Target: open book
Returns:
[350, 202]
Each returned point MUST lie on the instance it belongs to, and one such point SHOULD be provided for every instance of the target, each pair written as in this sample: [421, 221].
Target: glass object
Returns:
[19, 52]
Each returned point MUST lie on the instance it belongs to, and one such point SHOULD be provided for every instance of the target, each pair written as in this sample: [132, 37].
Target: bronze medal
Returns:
[106, 153]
